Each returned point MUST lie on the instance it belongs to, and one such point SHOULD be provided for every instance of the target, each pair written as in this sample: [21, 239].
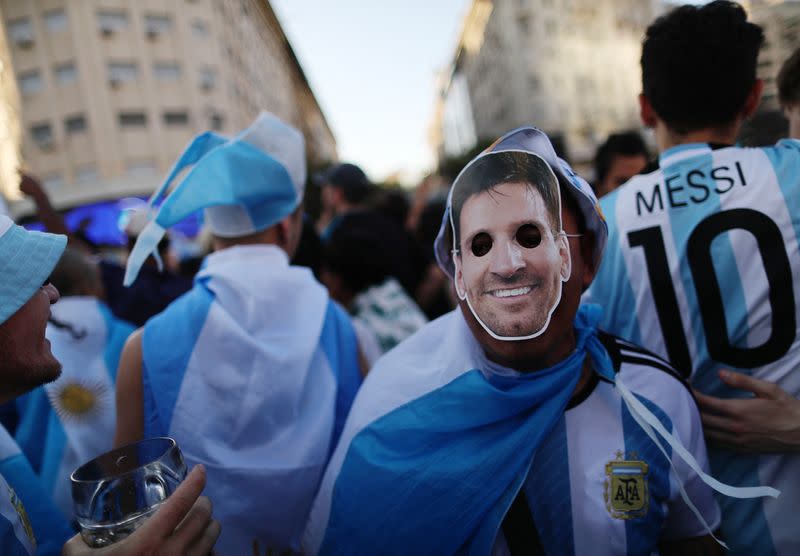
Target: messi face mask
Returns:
[510, 253]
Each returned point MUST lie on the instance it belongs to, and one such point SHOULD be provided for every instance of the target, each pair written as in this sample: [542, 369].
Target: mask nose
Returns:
[507, 259]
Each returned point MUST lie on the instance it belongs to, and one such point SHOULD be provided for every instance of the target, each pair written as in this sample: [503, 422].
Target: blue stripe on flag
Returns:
[117, 332]
[341, 350]
[548, 492]
[167, 344]
[643, 533]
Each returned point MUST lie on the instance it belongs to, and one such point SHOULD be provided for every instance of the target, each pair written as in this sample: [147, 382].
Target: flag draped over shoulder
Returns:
[249, 373]
[43, 525]
[435, 450]
[66, 423]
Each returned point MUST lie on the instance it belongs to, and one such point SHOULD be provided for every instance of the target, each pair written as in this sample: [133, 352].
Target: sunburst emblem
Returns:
[79, 400]
[23, 515]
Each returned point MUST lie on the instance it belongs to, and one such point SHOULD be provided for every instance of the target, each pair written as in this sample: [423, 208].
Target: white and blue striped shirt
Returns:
[703, 268]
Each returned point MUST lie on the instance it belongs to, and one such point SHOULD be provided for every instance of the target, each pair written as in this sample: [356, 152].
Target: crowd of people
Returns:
[513, 362]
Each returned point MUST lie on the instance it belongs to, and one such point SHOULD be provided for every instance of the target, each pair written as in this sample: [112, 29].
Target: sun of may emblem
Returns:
[78, 400]
[23, 515]
[625, 487]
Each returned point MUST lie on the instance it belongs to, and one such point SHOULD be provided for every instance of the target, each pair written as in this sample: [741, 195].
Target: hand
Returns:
[766, 423]
[30, 186]
[182, 525]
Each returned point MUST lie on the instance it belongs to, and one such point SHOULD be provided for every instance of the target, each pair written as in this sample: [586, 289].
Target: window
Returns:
[53, 181]
[132, 119]
[208, 78]
[75, 124]
[110, 22]
[167, 71]
[86, 174]
[155, 25]
[56, 21]
[30, 82]
[199, 28]
[216, 121]
[120, 72]
[65, 73]
[42, 135]
[21, 32]
[176, 118]
[141, 168]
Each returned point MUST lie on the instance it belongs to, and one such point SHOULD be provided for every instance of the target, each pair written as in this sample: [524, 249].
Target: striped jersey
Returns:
[599, 485]
[703, 268]
[596, 484]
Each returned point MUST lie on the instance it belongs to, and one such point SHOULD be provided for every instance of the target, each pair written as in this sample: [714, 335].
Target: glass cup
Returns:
[116, 492]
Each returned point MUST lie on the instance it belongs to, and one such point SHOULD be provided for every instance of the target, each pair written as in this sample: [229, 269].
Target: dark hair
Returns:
[789, 80]
[75, 273]
[489, 171]
[356, 252]
[627, 143]
[699, 64]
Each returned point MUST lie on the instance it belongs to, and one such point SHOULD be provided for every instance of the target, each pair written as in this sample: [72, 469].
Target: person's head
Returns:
[251, 187]
[76, 275]
[344, 186]
[354, 259]
[699, 70]
[622, 156]
[511, 256]
[504, 241]
[789, 92]
[26, 261]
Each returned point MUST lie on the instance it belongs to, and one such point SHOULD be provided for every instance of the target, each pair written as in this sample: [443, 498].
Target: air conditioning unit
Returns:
[207, 83]
[24, 42]
[114, 82]
[152, 33]
[106, 30]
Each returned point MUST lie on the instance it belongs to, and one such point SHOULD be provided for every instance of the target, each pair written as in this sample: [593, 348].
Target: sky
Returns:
[372, 65]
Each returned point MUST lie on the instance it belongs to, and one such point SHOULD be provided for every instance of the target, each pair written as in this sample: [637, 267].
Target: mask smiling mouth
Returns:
[511, 292]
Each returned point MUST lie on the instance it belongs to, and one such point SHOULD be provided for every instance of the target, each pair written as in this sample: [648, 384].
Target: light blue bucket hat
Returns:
[535, 141]
[26, 260]
[245, 184]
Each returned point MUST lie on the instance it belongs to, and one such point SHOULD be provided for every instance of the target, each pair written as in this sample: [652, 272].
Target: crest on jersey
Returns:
[23, 515]
[625, 488]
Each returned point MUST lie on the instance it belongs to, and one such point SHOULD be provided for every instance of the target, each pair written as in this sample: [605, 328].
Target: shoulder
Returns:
[649, 375]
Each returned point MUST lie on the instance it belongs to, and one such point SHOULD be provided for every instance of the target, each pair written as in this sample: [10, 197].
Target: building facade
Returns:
[781, 23]
[112, 90]
[10, 158]
[570, 67]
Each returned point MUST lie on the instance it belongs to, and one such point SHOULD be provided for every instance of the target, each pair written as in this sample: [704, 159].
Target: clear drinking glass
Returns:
[116, 492]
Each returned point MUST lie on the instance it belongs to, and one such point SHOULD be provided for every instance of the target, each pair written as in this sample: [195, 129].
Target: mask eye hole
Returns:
[529, 236]
[481, 244]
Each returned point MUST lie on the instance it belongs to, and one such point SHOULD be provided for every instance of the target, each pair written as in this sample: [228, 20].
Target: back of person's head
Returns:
[392, 203]
[699, 65]
[75, 275]
[356, 254]
[789, 80]
[626, 143]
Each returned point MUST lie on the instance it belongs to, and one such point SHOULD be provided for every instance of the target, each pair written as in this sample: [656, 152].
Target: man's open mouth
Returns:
[511, 292]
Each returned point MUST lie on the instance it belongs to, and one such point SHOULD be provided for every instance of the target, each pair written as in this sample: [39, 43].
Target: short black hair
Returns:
[789, 80]
[699, 64]
[489, 171]
[626, 143]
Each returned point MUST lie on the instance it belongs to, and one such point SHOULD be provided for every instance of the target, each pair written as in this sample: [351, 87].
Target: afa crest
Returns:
[625, 487]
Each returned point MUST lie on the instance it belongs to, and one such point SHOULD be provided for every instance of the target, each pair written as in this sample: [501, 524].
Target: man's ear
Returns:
[461, 291]
[283, 229]
[646, 112]
[753, 98]
[566, 257]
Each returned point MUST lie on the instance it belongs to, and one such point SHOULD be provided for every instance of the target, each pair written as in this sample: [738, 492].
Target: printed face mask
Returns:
[511, 255]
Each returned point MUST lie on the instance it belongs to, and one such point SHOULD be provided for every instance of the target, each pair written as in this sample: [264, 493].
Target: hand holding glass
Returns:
[116, 492]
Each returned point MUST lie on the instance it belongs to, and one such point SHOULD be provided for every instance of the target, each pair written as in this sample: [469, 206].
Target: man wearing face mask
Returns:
[512, 424]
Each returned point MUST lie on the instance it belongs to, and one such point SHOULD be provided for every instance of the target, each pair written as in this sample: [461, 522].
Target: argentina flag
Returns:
[29, 523]
[72, 420]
